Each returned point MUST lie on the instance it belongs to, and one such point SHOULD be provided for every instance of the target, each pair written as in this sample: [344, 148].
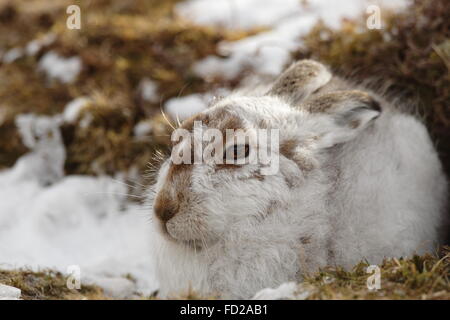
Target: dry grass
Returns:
[120, 43]
[47, 285]
[420, 277]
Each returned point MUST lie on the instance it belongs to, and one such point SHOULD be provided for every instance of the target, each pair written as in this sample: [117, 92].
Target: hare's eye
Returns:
[236, 152]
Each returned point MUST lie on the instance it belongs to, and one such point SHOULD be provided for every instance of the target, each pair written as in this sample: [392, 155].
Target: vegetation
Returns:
[134, 40]
[47, 285]
[121, 43]
[420, 277]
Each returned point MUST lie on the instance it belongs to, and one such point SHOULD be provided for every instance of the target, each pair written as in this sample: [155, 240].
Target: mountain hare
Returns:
[357, 179]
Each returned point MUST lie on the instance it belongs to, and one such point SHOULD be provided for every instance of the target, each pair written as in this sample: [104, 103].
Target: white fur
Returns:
[378, 192]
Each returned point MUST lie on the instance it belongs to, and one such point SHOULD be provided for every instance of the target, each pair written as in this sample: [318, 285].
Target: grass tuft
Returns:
[418, 277]
[47, 285]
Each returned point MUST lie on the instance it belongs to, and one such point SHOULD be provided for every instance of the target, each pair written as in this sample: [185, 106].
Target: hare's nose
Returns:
[165, 214]
[165, 208]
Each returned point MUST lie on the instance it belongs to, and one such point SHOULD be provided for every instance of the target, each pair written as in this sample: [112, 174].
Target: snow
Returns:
[73, 108]
[288, 290]
[248, 14]
[34, 46]
[83, 221]
[237, 14]
[45, 163]
[9, 293]
[51, 220]
[118, 288]
[183, 107]
[265, 53]
[142, 129]
[60, 68]
[149, 90]
[12, 55]
[31, 49]
[268, 52]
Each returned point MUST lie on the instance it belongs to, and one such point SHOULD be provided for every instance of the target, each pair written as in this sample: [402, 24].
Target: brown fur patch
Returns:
[165, 207]
[305, 240]
[295, 78]
[256, 175]
[224, 119]
[175, 169]
[287, 149]
[188, 124]
[172, 194]
[355, 124]
[327, 101]
[227, 166]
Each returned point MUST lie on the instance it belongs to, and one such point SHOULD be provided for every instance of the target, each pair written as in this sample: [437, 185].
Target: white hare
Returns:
[357, 180]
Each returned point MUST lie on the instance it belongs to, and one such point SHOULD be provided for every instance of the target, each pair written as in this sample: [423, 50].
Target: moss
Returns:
[419, 277]
[410, 53]
[47, 285]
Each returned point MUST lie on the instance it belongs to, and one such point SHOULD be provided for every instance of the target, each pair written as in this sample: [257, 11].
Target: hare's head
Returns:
[248, 158]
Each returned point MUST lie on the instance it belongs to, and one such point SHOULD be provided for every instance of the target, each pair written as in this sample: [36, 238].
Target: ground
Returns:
[418, 278]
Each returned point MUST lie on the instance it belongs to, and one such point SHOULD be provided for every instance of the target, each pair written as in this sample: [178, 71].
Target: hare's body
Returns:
[356, 181]
[388, 193]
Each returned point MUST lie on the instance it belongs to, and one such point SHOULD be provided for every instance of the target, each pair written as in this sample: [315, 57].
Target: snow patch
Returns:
[12, 55]
[288, 290]
[237, 14]
[149, 90]
[34, 46]
[60, 68]
[9, 293]
[45, 162]
[142, 129]
[73, 108]
[184, 107]
[49, 220]
[267, 53]
[118, 288]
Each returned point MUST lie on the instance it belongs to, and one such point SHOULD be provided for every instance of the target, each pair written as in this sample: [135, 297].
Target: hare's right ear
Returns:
[300, 80]
[344, 115]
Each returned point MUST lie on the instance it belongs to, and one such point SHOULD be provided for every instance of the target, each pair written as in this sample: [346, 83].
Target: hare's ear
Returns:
[344, 115]
[300, 80]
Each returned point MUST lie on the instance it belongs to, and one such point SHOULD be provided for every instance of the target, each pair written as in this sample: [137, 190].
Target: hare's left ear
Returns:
[343, 116]
[300, 80]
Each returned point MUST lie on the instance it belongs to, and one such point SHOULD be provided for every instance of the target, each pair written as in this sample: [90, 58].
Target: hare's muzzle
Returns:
[165, 208]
